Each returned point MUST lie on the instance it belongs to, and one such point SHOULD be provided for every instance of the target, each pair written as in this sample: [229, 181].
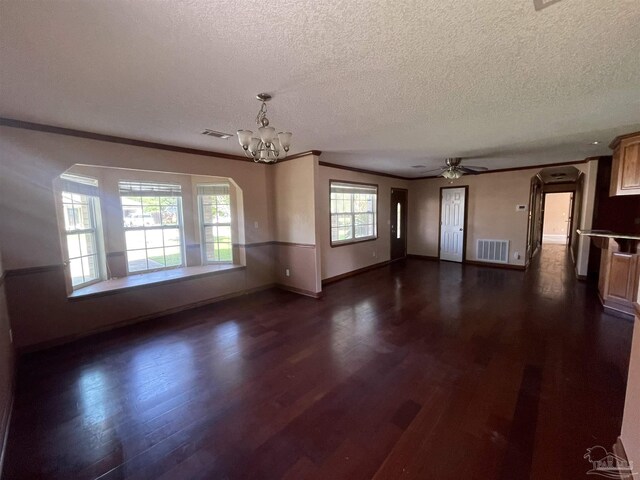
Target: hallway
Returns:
[417, 370]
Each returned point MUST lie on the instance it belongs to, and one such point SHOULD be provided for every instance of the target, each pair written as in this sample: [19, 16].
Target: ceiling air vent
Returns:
[213, 133]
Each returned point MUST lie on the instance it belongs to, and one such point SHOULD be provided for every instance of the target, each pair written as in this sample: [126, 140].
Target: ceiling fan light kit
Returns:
[453, 170]
[267, 146]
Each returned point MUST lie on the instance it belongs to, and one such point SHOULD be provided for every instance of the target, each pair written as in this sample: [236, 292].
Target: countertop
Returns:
[608, 234]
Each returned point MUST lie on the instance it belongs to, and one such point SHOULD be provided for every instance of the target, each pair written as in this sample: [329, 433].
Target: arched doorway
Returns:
[549, 181]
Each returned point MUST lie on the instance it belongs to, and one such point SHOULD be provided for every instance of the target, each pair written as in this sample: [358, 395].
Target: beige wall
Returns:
[631, 421]
[491, 210]
[346, 258]
[29, 234]
[556, 217]
[6, 367]
[294, 203]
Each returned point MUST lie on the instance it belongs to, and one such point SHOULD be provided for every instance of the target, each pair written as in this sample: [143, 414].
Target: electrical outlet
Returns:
[255, 225]
[374, 254]
[287, 272]
[516, 255]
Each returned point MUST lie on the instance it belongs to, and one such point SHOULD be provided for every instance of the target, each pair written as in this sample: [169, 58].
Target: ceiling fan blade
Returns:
[466, 170]
[439, 169]
[477, 169]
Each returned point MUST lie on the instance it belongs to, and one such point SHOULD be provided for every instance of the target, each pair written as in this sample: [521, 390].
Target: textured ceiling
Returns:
[373, 84]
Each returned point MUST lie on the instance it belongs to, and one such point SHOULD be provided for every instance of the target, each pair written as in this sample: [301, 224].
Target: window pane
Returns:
[171, 237]
[75, 269]
[134, 239]
[224, 213]
[223, 199]
[210, 252]
[82, 216]
[137, 201]
[208, 213]
[169, 215]
[224, 234]
[155, 258]
[173, 256]
[344, 233]
[137, 260]
[90, 268]
[154, 238]
[224, 252]
[87, 244]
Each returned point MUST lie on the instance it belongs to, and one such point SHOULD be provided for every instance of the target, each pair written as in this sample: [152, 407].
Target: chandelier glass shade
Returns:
[265, 146]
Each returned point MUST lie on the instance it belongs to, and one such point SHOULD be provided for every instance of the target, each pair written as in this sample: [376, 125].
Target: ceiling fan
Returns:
[452, 169]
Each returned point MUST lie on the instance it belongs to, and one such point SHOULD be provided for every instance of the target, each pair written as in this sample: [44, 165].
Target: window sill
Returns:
[142, 280]
[352, 242]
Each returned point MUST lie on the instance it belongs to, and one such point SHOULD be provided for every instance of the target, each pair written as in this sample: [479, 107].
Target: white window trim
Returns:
[353, 239]
[126, 229]
[203, 236]
[94, 212]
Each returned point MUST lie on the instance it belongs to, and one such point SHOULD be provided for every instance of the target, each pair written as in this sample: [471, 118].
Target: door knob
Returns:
[460, 229]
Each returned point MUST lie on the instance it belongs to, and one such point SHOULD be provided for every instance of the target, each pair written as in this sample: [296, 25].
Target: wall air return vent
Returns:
[213, 133]
[495, 251]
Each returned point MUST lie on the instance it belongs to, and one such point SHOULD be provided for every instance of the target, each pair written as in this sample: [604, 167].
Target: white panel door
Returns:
[452, 224]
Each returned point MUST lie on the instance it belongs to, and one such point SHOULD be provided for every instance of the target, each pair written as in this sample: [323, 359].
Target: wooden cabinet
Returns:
[625, 174]
[618, 286]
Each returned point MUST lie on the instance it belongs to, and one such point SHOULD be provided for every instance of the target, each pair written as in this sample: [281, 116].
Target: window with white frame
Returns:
[152, 220]
[214, 205]
[81, 214]
[353, 212]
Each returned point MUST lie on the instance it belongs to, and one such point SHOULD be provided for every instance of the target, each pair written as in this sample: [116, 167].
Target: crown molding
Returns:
[363, 170]
[616, 141]
[40, 127]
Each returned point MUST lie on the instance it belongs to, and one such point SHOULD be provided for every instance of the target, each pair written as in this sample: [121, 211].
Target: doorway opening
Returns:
[549, 181]
[556, 226]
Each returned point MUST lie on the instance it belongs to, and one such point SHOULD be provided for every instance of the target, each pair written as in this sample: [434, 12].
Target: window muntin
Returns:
[353, 212]
[152, 221]
[79, 209]
[214, 205]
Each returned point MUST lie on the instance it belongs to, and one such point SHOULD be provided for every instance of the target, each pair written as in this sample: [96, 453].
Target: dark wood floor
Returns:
[417, 370]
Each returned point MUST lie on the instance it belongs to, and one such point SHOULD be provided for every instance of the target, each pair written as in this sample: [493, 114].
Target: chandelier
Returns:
[267, 147]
